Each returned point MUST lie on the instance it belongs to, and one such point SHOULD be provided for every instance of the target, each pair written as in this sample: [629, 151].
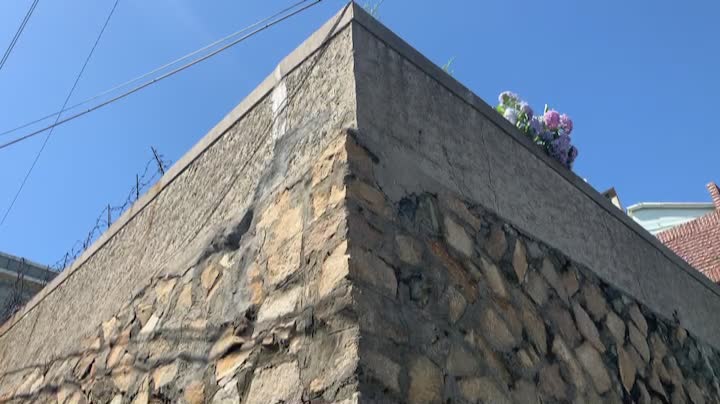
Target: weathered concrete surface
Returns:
[427, 129]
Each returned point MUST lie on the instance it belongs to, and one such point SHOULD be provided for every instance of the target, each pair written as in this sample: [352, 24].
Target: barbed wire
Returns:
[154, 169]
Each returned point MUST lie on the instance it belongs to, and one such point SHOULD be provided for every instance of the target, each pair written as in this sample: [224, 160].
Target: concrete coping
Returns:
[311, 45]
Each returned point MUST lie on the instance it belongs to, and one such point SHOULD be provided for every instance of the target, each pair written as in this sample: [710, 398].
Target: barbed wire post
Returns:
[141, 182]
[159, 162]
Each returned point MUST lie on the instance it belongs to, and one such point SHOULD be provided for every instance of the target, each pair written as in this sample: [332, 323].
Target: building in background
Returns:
[698, 241]
[691, 230]
[612, 195]
[20, 280]
[657, 217]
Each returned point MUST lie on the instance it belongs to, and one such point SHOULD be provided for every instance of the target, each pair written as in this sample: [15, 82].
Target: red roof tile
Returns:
[698, 241]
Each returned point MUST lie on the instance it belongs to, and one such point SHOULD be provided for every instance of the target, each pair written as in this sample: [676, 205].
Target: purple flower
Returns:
[511, 115]
[572, 154]
[507, 96]
[536, 124]
[547, 137]
[559, 149]
[566, 124]
[552, 119]
[525, 108]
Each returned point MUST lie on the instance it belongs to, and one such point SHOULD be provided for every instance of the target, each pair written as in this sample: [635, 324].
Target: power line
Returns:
[67, 99]
[158, 69]
[13, 42]
[162, 77]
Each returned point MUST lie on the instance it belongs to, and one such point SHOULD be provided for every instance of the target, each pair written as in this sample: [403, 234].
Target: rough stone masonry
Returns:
[310, 251]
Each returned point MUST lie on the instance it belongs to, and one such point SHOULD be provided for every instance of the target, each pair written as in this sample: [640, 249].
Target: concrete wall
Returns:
[428, 129]
[202, 291]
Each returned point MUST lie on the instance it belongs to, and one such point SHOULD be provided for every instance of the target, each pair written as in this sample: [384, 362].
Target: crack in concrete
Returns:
[640, 290]
[458, 183]
[491, 186]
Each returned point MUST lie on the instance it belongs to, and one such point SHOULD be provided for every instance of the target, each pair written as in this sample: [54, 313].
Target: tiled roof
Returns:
[698, 241]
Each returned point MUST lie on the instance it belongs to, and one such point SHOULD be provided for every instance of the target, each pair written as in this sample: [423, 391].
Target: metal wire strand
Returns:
[156, 70]
[103, 220]
[19, 32]
[67, 99]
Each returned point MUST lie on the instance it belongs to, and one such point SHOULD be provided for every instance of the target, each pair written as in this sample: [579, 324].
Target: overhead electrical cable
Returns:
[156, 70]
[67, 99]
[161, 77]
[19, 32]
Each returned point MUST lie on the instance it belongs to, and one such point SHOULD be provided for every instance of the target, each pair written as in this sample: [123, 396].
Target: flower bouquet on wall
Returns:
[551, 131]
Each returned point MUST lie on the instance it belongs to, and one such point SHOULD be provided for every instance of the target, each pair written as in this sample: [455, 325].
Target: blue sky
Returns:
[638, 78]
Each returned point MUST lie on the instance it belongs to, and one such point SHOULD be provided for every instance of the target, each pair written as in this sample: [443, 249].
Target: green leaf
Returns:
[447, 67]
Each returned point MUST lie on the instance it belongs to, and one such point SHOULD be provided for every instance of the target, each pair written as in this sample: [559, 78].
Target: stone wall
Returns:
[206, 290]
[428, 129]
[358, 231]
[460, 306]
[508, 278]
[264, 315]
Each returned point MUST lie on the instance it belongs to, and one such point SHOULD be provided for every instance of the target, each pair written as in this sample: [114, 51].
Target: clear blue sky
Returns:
[639, 78]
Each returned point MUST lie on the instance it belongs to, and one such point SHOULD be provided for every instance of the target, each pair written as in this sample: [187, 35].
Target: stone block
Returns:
[496, 244]
[595, 301]
[284, 261]
[587, 327]
[264, 387]
[484, 390]
[425, 381]
[383, 369]
[616, 326]
[551, 383]
[627, 369]
[164, 375]
[457, 237]
[593, 364]
[279, 305]
[461, 362]
[335, 268]
[408, 249]
[560, 319]
[494, 278]
[639, 342]
[369, 268]
[519, 261]
[497, 331]
[552, 277]
[575, 372]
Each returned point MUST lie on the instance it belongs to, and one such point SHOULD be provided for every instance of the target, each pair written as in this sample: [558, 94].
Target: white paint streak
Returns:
[279, 103]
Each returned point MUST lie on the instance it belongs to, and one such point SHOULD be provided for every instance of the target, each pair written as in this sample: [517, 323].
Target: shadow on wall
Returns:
[15, 299]
[131, 355]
